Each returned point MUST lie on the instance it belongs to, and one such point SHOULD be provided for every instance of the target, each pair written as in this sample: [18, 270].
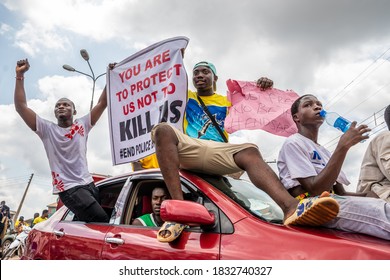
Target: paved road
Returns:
[15, 257]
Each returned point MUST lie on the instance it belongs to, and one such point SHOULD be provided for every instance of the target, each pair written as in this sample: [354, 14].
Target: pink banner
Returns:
[253, 108]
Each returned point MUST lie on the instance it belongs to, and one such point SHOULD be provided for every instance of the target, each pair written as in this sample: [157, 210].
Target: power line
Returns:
[357, 83]
[354, 79]
[13, 181]
[375, 118]
[371, 95]
[14, 178]
[334, 101]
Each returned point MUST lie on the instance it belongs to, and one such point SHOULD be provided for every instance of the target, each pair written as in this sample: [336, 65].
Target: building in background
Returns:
[52, 207]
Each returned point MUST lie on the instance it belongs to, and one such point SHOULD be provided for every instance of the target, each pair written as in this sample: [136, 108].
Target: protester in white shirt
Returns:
[65, 143]
[307, 169]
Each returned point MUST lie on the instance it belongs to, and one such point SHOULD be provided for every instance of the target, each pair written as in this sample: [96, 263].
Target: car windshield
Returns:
[248, 196]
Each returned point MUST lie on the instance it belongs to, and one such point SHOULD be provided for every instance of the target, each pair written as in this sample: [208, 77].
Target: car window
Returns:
[69, 216]
[251, 198]
[109, 193]
[139, 201]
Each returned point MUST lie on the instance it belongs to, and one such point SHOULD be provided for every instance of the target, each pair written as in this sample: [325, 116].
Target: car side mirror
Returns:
[186, 212]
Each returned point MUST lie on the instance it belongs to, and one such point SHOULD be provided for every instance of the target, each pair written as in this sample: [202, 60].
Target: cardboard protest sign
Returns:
[253, 108]
[145, 89]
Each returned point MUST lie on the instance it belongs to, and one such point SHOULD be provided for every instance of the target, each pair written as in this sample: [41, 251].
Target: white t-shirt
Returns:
[300, 157]
[66, 150]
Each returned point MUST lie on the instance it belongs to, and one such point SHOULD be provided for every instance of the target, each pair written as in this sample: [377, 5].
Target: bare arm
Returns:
[99, 108]
[325, 180]
[137, 166]
[137, 222]
[339, 189]
[20, 101]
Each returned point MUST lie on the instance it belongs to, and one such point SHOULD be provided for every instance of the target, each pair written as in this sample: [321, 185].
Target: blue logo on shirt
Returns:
[316, 155]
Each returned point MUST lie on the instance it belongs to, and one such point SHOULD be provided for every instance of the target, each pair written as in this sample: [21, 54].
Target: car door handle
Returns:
[114, 240]
[59, 233]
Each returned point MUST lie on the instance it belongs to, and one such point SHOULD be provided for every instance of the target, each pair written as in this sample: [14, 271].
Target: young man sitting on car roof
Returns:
[175, 150]
[308, 169]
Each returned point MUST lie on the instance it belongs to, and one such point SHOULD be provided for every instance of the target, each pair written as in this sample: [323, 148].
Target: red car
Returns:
[230, 219]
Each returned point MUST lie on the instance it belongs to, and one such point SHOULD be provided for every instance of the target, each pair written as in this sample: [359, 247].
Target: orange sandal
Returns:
[314, 211]
[170, 231]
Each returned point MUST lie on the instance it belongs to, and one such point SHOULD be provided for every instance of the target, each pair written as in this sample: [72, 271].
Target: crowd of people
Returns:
[5, 220]
[309, 189]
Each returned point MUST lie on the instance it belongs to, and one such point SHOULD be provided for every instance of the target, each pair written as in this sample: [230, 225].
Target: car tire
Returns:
[20, 251]
[9, 253]
[5, 245]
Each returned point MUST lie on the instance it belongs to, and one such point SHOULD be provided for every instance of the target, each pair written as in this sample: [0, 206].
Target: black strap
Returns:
[212, 119]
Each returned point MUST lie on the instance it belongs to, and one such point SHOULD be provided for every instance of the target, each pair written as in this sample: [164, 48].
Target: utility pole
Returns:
[24, 196]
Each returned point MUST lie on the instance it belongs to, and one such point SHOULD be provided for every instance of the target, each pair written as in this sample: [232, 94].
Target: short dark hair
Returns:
[71, 102]
[45, 211]
[386, 115]
[295, 105]
[165, 189]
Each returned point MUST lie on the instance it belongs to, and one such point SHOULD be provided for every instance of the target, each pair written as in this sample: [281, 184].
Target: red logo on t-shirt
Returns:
[58, 184]
[75, 128]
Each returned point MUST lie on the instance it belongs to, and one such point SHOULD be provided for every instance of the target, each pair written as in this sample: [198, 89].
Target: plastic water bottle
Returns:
[336, 120]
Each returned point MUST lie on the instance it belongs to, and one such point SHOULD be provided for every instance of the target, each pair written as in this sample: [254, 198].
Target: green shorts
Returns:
[206, 156]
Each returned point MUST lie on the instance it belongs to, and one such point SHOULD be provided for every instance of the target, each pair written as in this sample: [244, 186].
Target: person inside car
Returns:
[65, 143]
[159, 194]
[307, 169]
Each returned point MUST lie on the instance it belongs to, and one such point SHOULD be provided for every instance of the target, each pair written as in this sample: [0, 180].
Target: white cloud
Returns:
[309, 46]
[33, 42]
[4, 28]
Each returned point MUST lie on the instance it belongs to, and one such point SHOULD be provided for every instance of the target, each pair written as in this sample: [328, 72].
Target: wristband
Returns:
[19, 78]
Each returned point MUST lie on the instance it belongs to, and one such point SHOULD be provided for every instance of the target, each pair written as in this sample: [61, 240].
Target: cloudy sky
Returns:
[337, 49]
